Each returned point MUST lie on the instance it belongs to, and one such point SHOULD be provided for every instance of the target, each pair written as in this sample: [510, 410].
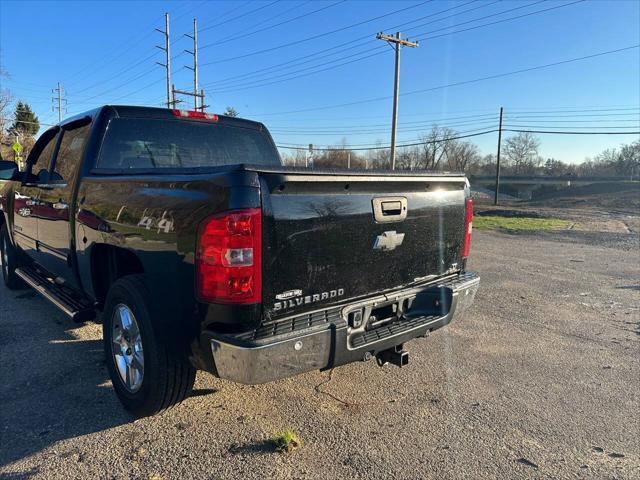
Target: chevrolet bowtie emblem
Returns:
[388, 241]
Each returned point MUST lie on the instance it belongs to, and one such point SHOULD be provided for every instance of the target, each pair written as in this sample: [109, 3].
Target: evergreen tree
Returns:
[230, 112]
[25, 122]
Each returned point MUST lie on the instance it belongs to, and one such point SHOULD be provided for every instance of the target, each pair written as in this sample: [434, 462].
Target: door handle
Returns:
[389, 209]
[393, 207]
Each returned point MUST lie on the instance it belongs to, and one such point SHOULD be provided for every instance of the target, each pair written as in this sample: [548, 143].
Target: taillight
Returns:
[228, 258]
[209, 117]
[468, 227]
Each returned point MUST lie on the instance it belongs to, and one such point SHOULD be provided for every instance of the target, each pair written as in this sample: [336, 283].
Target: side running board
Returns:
[77, 308]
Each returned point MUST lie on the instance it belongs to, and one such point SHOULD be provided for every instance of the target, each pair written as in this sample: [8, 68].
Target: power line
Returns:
[500, 21]
[446, 130]
[586, 108]
[253, 84]
[244, 35]
[598, 120]
[480, 126]
[377, 147]
[279, 14]
[313, 37]
[257, 83]
[465, 82]
[465, 120]
[231, 10]
[542, 117]
[451, 112]
[30, 123]
[423, 121]
[118, 73]
[571, 133]
[516, 125]
[314, 55]
[239, 16]
[102, 62]
[386, 129]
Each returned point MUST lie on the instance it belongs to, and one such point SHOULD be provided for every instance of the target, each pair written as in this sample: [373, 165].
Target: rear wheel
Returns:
[9, 257]
[148, 372]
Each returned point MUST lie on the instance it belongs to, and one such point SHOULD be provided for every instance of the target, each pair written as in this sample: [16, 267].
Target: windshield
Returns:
[133, 143]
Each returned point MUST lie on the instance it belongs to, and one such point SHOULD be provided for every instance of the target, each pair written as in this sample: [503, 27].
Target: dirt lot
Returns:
[540, 380]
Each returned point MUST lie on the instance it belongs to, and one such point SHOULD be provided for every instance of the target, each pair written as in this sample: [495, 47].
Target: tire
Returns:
[138, 346]
[10, 261]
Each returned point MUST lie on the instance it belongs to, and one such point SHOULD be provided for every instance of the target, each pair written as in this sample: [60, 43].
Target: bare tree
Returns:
[408, 158]
[628, 160]
[522, 151]
[435, 146]
[295, 158]
[462, 155]
[5, 102]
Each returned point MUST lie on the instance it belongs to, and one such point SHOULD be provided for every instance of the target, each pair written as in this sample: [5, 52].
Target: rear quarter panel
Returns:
[156, 217]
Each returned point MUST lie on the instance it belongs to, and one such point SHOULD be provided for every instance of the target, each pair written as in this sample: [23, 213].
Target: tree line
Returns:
[441, 150]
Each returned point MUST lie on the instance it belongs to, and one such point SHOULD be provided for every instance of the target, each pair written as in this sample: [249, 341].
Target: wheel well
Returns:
[108, 264]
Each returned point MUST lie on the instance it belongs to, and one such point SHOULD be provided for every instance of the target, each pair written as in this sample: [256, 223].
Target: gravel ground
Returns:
[540, 380]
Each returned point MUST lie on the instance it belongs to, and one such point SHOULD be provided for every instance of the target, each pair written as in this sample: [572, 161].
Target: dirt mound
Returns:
[622, 196]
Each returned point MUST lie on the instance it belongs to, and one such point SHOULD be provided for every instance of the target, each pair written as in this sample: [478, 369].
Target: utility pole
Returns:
[396, 42]
[202, 105]
[197, 96]
[56, 101]
[167, 51]
[194, 37]
[495, 200]
[309, 156]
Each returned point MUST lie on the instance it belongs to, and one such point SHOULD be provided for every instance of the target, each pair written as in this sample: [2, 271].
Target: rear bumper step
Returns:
[331, 339]
[79, 310]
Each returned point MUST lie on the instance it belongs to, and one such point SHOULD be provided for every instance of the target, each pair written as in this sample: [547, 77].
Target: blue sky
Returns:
[294, 76]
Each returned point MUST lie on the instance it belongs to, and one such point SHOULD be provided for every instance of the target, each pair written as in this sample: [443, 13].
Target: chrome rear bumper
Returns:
[259, 357]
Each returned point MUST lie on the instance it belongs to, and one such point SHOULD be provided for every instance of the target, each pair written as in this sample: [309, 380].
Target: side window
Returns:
[43, 160]
[70, 154]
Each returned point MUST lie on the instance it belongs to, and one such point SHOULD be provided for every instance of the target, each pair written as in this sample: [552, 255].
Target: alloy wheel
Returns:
[126, 347]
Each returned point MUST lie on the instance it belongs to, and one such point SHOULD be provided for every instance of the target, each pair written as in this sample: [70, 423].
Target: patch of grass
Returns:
[519, 223]
[287, 441]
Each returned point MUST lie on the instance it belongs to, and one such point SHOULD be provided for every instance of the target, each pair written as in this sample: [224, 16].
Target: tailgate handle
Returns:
[389, 209]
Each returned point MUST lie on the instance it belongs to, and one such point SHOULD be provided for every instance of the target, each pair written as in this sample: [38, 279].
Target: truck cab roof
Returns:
[136, 111]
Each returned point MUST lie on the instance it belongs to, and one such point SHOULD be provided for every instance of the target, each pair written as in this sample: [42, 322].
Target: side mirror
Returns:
[9, 170]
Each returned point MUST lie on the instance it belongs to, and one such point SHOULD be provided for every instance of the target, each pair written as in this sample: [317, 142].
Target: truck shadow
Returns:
[54, 383]
[53, 380]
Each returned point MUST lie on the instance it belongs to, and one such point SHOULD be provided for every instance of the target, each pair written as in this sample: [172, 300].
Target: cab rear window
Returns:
[132, 143]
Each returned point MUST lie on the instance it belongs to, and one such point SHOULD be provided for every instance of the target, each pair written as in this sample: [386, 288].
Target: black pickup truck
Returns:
[184, 234]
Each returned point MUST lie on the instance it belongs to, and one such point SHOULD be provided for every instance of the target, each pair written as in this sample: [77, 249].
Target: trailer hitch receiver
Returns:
[396, 356]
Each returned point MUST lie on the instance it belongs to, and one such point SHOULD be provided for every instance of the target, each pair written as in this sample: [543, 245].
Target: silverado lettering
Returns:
[316, 297]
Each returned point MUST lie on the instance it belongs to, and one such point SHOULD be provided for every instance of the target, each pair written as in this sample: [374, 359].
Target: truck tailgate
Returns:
[332, 237]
